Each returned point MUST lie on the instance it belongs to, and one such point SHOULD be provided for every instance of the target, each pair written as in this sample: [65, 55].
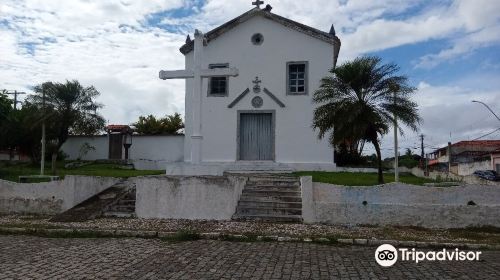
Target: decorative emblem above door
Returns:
[256, 102]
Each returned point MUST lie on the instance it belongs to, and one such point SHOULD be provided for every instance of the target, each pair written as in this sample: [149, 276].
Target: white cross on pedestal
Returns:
[197, 74]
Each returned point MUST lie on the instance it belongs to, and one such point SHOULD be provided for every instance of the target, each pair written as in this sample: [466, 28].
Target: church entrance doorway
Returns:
[256, 135]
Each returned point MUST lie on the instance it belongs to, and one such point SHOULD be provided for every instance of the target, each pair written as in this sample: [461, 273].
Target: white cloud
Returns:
[480, 21]
[463, 46]
[84, 40]
[449, 110]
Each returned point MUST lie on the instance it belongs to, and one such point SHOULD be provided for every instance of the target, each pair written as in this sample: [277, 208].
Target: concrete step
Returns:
[122, 208]
[269, 204]
[129, 196]
[274, 184]
[271, 193]
[126, 202]
[119, 214]
[278, 198]
[269, 211]
[273, 179]
[273, 188]
[266, 218]
[95, 205]
[270, 198]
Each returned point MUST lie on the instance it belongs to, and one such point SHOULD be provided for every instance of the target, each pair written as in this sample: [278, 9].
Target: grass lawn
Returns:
[13, 172]
[360, 179]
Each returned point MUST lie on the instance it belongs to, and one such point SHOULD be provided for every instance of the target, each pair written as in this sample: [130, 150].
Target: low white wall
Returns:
[465, 169]
[169, 148]
[188, 197]
[402, 169]
[165, 148]
[72, 147]
[444, 176]
[401, 204]
[356, 169]
[50, 197]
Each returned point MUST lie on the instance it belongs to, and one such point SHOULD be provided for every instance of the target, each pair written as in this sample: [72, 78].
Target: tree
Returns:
[5, 118]
[150, 125]
[358, 102]
[348, 153]
[24, 133]
[5, 107]
[68, 108]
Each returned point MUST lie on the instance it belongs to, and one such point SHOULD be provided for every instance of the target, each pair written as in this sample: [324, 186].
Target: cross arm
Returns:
[232, 72]
[176, 74]
[204, 73]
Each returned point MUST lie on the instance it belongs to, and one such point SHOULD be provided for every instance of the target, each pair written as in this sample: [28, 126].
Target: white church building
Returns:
[249, 89]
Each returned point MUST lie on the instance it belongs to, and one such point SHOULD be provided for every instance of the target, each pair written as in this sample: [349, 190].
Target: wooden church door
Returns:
[256, 136]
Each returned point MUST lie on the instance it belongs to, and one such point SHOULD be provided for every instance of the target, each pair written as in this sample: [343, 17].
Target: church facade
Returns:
[264, 114]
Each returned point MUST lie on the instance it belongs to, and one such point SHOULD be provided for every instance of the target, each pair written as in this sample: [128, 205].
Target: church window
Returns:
[217, 86]
[297, 78]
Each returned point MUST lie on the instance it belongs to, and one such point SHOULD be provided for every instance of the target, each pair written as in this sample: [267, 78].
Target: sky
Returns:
[448, 49]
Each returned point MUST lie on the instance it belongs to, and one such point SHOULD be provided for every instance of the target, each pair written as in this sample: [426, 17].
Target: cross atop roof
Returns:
[257, 3]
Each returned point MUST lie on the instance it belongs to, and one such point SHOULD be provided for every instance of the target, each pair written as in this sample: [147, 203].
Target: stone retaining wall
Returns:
[444, 176]
[401, 204]
[188, 197]
[50, 197]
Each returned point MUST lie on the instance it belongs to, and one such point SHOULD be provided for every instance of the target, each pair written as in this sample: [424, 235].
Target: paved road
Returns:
[45, 258]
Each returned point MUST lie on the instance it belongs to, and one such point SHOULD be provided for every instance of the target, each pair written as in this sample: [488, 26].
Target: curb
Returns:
[417, 244]
[240, 237]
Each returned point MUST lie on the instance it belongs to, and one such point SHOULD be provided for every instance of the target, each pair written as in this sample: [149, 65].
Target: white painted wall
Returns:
[188, 197]
[465, 169]
[295, 140]
[73, 145]
[495, 162]
[166, 148]
[401, 204]
[443, 176]
[50, 197]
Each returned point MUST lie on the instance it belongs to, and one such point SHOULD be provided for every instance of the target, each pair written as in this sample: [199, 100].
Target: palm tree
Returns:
[70, 108]
[358, 102]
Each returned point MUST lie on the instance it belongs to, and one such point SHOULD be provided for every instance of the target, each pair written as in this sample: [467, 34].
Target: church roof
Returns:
[330, 38]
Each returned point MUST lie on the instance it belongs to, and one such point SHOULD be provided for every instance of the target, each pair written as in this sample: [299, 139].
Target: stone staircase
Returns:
[109, 203]
[124, 206]
[270, 198]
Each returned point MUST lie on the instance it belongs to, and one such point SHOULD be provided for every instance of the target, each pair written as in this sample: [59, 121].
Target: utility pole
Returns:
[422, 154]
[42, 161]
[396, 151]
[426, 165]
[449, 157]
[16, 93]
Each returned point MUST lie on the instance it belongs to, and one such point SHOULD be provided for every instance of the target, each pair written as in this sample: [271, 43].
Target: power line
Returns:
[486, 134]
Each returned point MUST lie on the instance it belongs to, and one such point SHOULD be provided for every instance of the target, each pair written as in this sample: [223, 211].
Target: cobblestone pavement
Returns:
[24, 257]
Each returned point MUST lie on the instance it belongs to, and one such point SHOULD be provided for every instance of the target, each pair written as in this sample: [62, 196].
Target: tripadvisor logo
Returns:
[387, 255]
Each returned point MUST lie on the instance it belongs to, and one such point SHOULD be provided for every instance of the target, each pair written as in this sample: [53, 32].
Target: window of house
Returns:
[297, 77]
[217, 86]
